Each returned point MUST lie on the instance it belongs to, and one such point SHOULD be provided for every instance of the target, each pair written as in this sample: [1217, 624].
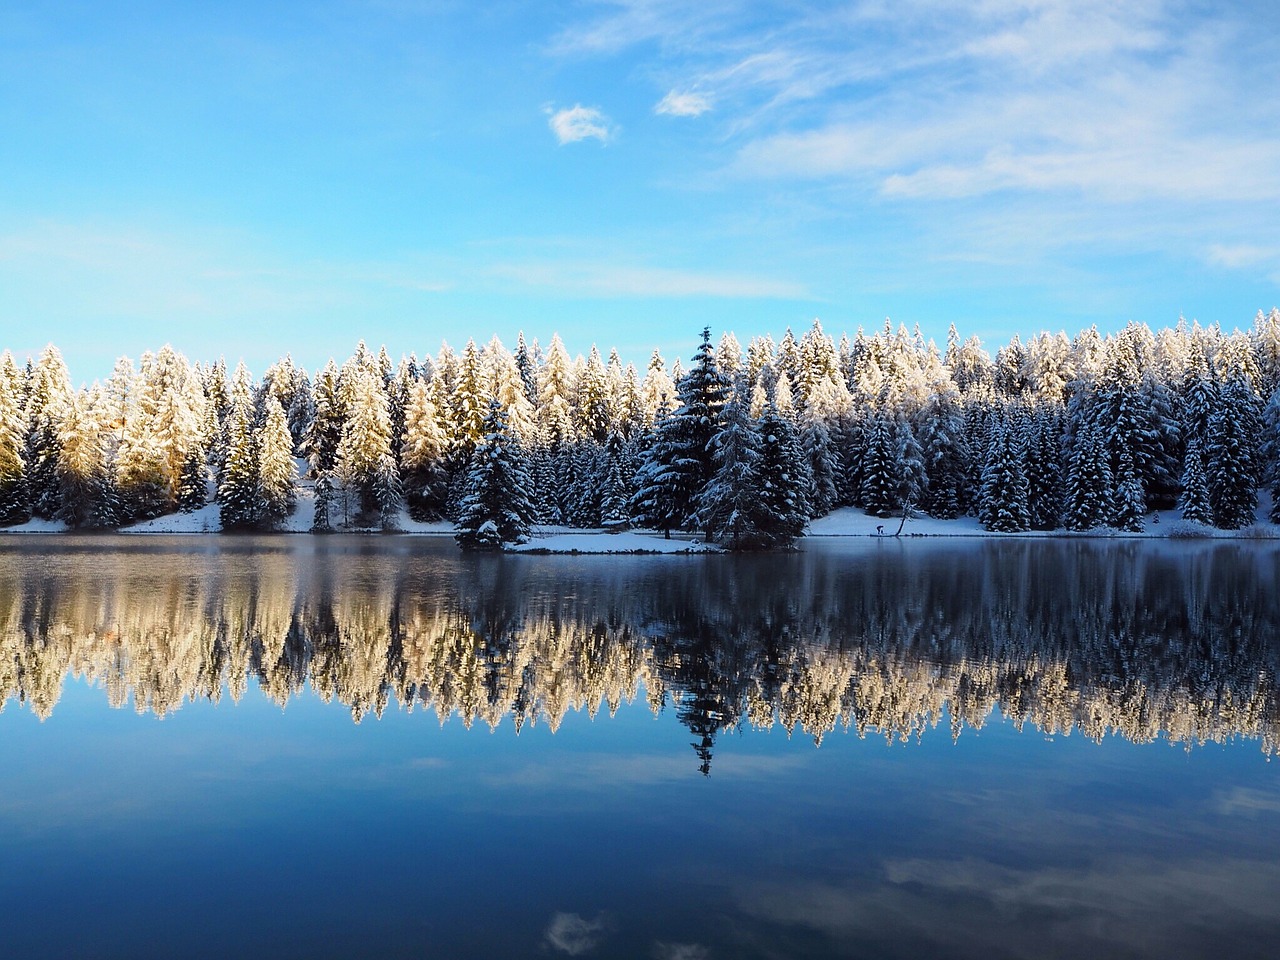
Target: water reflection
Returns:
[1143, 640]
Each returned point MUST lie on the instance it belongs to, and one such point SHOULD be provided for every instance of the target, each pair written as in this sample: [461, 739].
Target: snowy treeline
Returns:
[746, 446]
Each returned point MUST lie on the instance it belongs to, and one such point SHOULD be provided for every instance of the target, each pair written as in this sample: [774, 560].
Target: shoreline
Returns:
[845, 523]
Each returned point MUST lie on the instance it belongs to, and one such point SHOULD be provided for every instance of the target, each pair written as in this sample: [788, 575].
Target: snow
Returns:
[845, 522]
[567, 540]
[852, 522]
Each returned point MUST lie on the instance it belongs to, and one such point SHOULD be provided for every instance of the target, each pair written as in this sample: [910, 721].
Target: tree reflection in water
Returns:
[1140, 639]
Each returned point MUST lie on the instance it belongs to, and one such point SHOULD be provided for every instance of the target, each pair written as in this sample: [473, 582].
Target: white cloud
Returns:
[1239, 256]
[580, 123]
[677, 104]
[679, 951]
[572, 934]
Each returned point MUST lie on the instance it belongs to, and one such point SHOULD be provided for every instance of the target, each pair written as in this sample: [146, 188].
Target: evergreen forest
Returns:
[742, 446]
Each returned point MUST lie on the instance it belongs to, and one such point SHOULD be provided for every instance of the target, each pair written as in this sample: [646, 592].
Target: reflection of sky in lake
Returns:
[244, 829]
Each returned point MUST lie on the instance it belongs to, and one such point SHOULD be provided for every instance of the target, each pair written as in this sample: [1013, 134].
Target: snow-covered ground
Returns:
[570, 540]
[852, 522]
[845, 522]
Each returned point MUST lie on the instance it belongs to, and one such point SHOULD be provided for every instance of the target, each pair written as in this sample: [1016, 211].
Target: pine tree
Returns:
[239, 494]
[1044, 471]
[322, 523]
[728, 507]
[14, 504]
[1004, 498]
[496, 508]
[1194, 502]
[1130, 502]
[1089, 483]
[1231, 460]
[49, 393]
[944, 452]
[193, 486]
[366, 437]
[880, 487]
[324, 432]
[86, 495]
[277, 472]
[909, 465]
[824, 464]
[615, 513]
[678, 464]
[783, 508]
[423, 457]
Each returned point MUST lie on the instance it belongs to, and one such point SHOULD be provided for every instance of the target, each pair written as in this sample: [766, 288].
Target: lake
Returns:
[295, 746]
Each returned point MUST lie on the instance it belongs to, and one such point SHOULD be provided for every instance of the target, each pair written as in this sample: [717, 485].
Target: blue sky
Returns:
[248, 179]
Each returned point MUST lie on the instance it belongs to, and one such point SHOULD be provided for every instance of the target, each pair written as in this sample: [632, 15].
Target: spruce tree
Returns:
[14, 504]
[496, 508]
[322, 522]
[423, 457]
[1231, 459]
[679, 462]
[728, 507]
[1194, 502]
[277, 472]
[193, 486]
[1089, 483]
[1044, 471]
[615, 514]
[880, 481]
[1130, 502]
[944, 452]
[784, 510]
[239, 494]
[1004, 498]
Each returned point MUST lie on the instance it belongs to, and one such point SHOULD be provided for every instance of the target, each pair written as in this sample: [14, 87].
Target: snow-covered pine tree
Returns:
[1231, 457]
[944, 450]
[528, 370]
[784, 511]
[193, 485]
[277, 472]
[909, 465]
[366, 437]
[324, 432]
[239, 494]
[1003, 502]
[496, 508]
[729, 507]
[322, 522]
[1089, 482]
[15, 506]
[1194, 502]
[141, 486]
[387, 494]
[678, 463]
[87, 494]
[1130, 503]
[1044, 468]
[423, 457]
[880, 487]
[49, 392]
[615, 499]
[824, 463]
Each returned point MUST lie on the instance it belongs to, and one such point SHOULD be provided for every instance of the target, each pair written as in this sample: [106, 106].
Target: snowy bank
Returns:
[845, 522]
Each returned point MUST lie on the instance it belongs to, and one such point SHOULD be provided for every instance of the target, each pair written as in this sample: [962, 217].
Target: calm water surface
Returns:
[346, 747]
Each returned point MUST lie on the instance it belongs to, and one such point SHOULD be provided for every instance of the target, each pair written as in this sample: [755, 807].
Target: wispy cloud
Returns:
[576, 123]
[573, 934]
[1237, 256]
[686, 104]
